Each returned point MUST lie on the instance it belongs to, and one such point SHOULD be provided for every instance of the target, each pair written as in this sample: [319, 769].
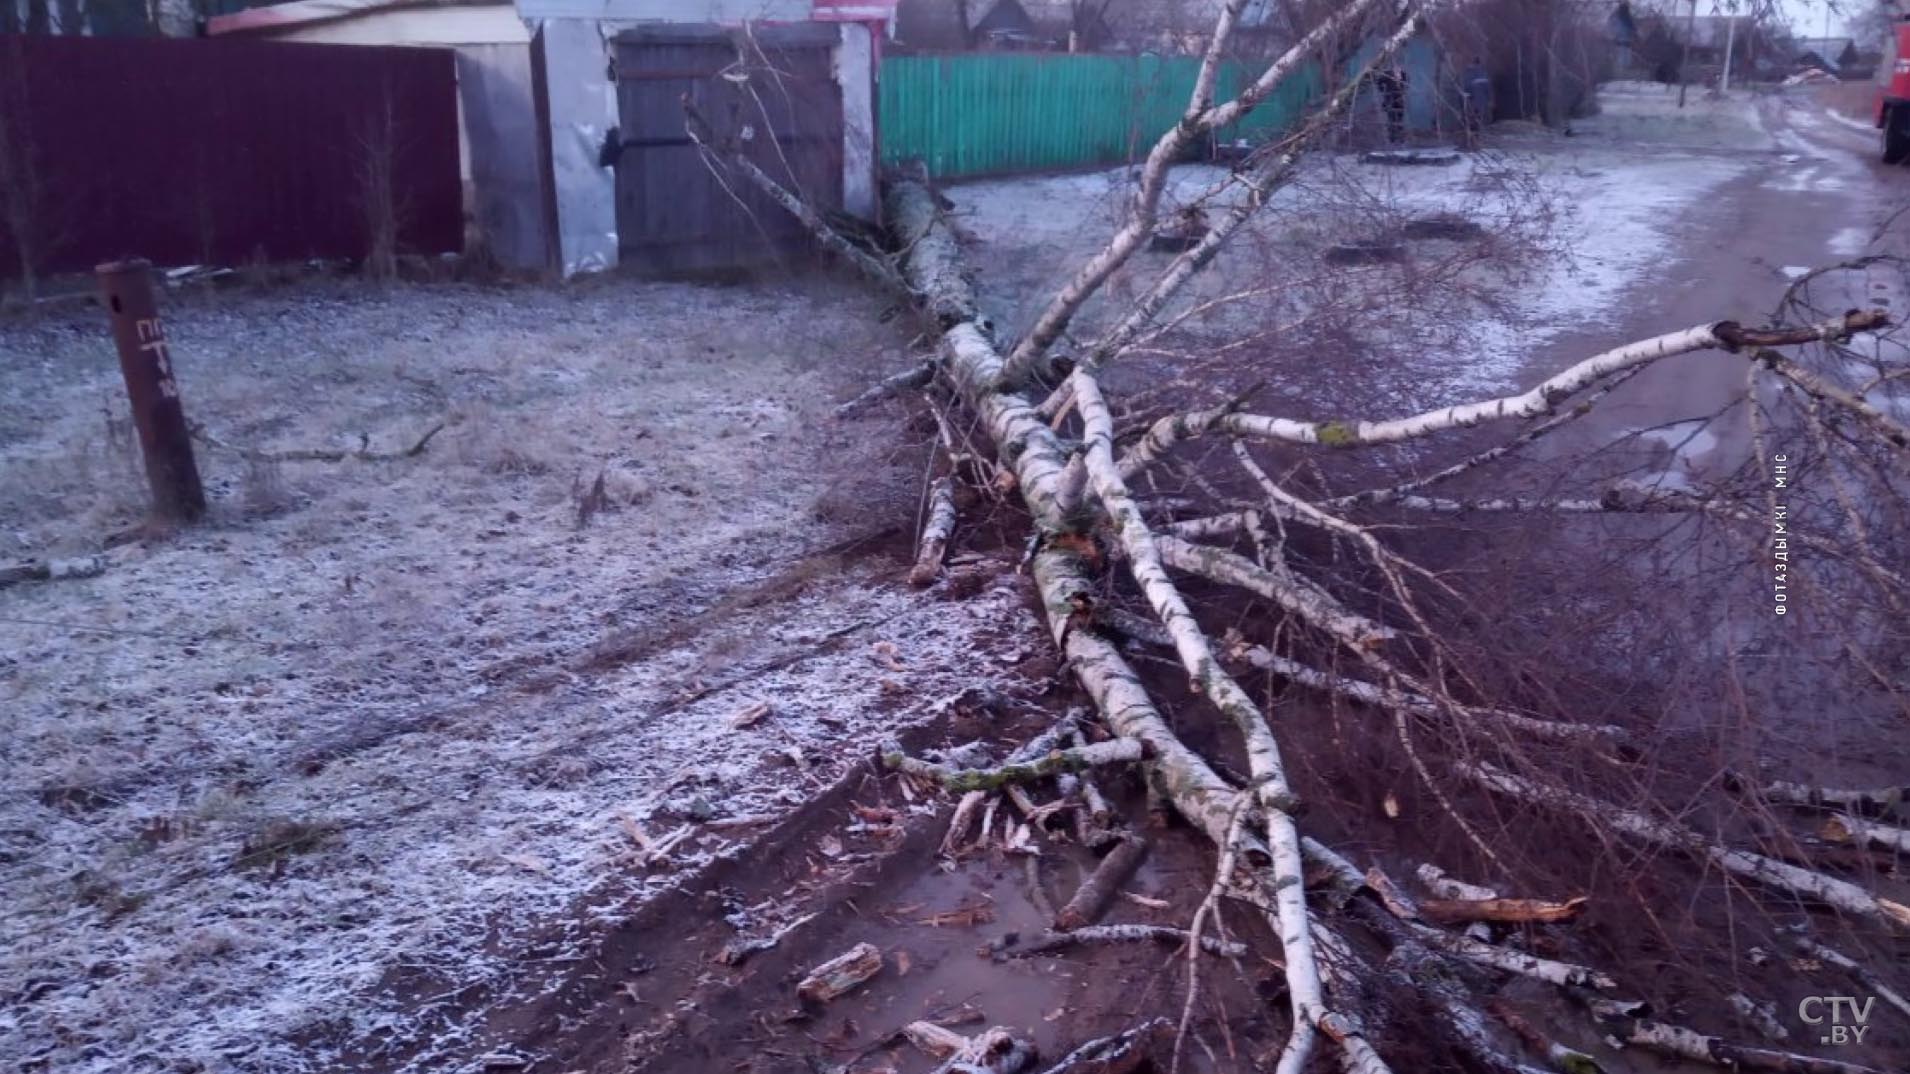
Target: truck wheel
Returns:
[1896, 136]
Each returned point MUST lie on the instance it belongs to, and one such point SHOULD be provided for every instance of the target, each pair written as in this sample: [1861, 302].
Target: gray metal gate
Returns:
[772, 92]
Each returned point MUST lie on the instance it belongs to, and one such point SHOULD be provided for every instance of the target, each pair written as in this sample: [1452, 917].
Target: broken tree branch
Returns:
[935, 533]
[363, 452]
[1200, 118]
[1049, 942]
[1122, 1053]
[1769, 872]
[1097, 892]
[1074, 759]
[1503, 911]
[1546, 395]
[52, 570]
[872, 265]
[1681, 1043]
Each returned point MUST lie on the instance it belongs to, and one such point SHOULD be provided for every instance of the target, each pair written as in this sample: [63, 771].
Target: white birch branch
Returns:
[1206, 675]
[1289, 590]
[1054, 762]
[1875, 800]
[1543, 397]
[1681, 1043]
[1812, 949]
[1200, 118]
[935, 533]
[1258, 183]
[1770, 872]
[1367, 693]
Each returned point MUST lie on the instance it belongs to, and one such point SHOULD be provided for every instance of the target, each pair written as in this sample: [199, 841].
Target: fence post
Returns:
[127, 289]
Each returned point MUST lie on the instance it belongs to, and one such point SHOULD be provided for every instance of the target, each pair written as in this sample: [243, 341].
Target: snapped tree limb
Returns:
[1769, 872]
[1075, 759]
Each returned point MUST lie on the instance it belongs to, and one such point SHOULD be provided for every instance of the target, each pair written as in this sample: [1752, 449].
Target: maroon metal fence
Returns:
[221, 151]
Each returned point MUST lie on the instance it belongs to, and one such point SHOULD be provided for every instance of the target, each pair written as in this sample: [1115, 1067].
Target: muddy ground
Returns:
[447, 763]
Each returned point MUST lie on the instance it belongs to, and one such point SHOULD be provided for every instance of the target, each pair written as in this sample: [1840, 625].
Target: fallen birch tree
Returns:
[1272, 569]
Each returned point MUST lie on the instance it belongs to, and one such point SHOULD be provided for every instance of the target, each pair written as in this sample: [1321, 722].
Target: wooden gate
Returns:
[773, 93]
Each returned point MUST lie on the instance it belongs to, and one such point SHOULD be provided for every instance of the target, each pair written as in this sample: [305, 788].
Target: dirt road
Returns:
[1809, 192]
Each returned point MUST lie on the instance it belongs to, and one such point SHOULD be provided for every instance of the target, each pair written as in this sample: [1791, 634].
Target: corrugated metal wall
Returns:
[220, 150]
[999, 113]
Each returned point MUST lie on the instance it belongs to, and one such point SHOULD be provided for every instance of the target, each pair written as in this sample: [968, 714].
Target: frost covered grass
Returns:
[291, 789]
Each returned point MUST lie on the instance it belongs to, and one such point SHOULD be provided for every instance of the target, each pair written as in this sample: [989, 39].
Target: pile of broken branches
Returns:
[1321, 594]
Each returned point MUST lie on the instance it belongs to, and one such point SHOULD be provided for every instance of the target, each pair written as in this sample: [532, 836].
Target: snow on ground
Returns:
[1656, 113]
[383, 722]
[1854, 124]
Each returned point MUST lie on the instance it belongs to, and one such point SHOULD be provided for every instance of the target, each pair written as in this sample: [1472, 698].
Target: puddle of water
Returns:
[1688, 440]
[1690, 444]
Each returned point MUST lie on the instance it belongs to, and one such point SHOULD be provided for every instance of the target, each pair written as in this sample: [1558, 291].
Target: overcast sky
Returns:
[1807, 16]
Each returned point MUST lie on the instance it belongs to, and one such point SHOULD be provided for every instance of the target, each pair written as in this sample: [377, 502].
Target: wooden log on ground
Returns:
[935, 533]
[841, 974]
[1101, 887]
[52, 570]
[1049, 942]
[994, 1052]
[1113, 751]
[933, 1039]
[1871, 801]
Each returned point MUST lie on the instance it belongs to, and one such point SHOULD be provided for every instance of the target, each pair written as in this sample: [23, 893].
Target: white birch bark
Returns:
[1026, 444]
[1541, 399]
[1204, 670]
[935, 533]
[1812, 949]
[1805, 883]
[1290, 591]
[1844, 828]
[1367, 693]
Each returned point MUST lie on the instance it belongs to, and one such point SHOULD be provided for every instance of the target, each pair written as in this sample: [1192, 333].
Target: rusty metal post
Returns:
[127, 289]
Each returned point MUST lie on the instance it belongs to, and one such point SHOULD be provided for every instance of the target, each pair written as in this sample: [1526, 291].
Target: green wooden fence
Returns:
[999, 113]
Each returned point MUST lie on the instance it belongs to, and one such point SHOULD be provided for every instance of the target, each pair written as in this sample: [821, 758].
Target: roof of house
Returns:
[310, 12]
[1006, 15]
[1827, 47]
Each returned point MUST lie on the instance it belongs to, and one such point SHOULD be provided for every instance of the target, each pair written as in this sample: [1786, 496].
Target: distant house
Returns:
[1081, 25]
[1832, 55]
[100, 18]
[1008, 25]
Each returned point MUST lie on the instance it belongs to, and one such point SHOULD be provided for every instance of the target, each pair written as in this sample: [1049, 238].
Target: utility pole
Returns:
[1730, 39]
[1684, 56]
[146, 364]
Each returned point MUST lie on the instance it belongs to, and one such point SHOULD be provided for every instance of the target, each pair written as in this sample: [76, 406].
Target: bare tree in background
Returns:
[1495, 633]
[379, 198]
[23, 200]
